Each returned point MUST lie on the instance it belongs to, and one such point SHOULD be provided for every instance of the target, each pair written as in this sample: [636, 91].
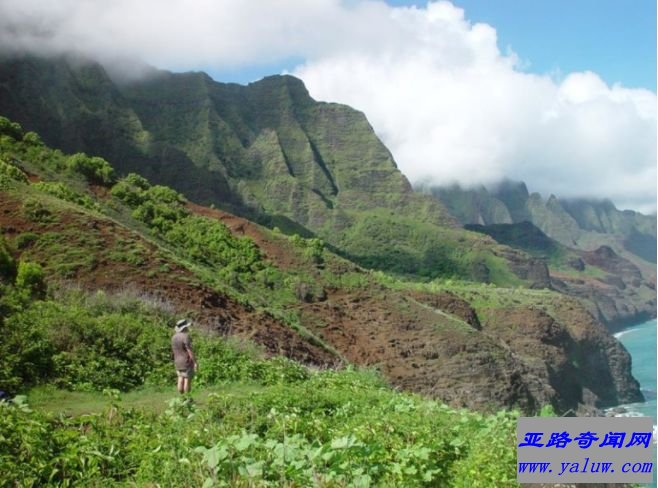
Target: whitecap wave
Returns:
[628, 410]
[617, 335]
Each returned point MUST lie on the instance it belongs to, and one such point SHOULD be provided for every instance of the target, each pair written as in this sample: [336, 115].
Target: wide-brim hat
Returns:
[183, 324]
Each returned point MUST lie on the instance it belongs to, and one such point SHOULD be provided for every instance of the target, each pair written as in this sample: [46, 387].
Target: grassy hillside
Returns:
[80, 258]
[615, 289]
[254, 422]
[94, 270]
[266, 151]
[292, 295]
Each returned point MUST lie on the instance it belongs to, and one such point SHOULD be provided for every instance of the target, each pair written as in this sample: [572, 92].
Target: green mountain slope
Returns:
[613, 288]
[266, 151]
[593, 250]
[466, 343]
[580, 223]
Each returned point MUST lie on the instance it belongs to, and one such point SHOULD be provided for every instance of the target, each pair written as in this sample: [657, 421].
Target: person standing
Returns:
[184, 361]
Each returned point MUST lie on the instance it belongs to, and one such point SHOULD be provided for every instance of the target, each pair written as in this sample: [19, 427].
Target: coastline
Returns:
[640, 341]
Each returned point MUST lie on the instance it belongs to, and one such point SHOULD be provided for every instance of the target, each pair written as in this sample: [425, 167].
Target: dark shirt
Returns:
[180, 343]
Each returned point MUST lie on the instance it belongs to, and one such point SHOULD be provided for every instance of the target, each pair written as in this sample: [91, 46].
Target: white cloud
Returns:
[436, 88]
[454, 109]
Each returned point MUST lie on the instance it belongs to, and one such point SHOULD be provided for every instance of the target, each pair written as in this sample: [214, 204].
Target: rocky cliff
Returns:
[593, 250]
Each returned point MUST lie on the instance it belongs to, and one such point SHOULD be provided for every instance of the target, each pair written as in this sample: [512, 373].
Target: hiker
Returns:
[186, 365]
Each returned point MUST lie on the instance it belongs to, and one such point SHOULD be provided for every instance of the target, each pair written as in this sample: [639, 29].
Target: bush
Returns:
[25, 240]
[36, 211]
[210, 242]
[308, 291]
[159, 207]
[11, 129]
[7, 264]
[26, 357]
[95, 169]
[32, 138]
[11, 172]
[87, 348]
[130, 190]
[30, 279]
[222, 363]
[62, 191]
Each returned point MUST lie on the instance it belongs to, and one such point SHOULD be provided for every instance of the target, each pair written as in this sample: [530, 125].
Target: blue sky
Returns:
[614, 38]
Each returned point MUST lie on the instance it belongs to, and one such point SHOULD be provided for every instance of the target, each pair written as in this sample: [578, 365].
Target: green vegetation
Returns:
[510, 212]
[401, 245]
[62, 191]
[334, 429]
[10, 173]
[30, 279]
[266, 151]
[92, 342]
[257, 421]
[95, 169]
[236, 262]
[313, 248]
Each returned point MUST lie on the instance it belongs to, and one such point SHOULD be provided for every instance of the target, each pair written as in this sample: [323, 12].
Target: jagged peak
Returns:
[294, 86]
[511, 186]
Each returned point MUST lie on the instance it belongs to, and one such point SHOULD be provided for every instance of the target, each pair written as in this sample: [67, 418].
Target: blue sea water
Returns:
[640, 341]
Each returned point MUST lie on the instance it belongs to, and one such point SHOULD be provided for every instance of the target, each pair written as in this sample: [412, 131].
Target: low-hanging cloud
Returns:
[454, 109]
[451, 107]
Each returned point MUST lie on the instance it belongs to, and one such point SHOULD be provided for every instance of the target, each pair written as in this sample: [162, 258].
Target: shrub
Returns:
[12, 172]
[30, 279]
[89, 347]
[210, 242]
[32, 138]
[314, 250]
[25, 240]
[159, 207]
[7, 264]
[130, 190]
[36, 211]
[308, 291]
[11, 129]
[62, 191]
[95, 169]
[25, 356]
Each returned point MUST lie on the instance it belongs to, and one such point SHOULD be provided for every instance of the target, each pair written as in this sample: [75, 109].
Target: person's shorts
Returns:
[185, 373]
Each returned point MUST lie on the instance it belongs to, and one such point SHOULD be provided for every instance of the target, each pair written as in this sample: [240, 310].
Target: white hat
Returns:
[182, 325]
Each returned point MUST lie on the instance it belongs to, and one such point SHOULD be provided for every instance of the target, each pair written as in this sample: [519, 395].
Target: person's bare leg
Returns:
[181, 385]
[188, 385]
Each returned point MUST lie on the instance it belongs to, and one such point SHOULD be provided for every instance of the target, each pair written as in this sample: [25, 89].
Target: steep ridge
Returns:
[578, 223]
[469, 344]
[617, 247]
[266, 151]
[613, 288]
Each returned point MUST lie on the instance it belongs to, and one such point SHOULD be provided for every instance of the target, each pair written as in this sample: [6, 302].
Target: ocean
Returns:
[640, 340]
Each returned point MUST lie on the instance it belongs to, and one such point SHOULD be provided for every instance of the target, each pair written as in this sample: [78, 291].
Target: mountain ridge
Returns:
[270, 153]
[69, 215]
[266, 151]
[578, 222]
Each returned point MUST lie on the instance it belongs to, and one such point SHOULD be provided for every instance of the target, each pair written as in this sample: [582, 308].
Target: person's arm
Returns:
[190, 353]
